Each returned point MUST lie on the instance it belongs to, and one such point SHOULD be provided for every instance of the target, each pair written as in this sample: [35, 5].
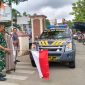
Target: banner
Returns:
[41, 61]
[23, 20]
[5, 13]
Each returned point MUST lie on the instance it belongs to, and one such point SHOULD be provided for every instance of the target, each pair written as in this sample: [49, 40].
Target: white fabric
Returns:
[23, 20]
[14, 53]
[36, 59]
[5, 13]
[23, 45]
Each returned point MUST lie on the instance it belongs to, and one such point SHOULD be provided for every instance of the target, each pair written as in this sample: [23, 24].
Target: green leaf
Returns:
[78, 10]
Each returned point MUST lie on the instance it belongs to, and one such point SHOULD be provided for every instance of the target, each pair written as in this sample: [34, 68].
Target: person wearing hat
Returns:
[3, 51]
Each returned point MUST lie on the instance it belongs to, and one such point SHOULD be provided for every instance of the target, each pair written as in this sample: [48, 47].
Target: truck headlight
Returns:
[68, 47]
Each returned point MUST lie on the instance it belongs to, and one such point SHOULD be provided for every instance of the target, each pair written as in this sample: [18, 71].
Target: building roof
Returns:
[79, 26]
[35, 15]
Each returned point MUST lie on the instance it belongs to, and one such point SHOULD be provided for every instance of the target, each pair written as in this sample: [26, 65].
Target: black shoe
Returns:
[2, 79]
[8, 72]
[17, 61]
[2, 75]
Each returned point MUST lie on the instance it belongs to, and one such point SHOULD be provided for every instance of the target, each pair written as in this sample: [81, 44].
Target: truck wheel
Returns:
[72, 64]
[83, 42]
[32, 60]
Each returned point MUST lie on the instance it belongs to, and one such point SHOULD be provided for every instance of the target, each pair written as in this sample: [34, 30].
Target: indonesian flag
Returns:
[41, 61]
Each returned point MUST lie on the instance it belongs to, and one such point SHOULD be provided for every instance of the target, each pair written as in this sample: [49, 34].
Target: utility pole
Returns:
[55, 22]
[10, 4]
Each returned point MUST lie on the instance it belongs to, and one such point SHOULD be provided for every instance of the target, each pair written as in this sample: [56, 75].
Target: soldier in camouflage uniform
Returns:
[3, 50]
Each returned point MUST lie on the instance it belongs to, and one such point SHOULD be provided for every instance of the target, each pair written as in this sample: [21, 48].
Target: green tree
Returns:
[47, 23]
[10, 1]
[25, 14]
[15, 14]
[70, 24]
[79, 10]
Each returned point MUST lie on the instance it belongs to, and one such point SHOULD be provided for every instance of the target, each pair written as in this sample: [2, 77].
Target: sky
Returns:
[53, 9]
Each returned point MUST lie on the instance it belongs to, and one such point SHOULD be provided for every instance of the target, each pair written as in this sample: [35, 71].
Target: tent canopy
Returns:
[79, 26]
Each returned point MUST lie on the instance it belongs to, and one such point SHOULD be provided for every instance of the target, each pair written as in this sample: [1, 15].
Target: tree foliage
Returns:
[47, 23]
[10, 1]
[25, 14]
[79, 10]
[70, 24]
[15, 13]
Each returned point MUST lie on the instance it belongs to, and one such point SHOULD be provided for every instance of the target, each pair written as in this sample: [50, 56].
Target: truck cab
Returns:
[59, 43]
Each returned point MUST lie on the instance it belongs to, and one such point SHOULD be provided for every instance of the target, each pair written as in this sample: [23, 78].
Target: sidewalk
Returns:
[23, 72]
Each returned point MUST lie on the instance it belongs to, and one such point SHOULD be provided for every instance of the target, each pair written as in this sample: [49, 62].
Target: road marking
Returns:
[16, 77]
[25, 71]
[6, 83]
[23, 63]
[25, 67]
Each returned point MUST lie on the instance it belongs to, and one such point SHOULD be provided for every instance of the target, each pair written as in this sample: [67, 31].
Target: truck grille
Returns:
[60, 49]
[52, 48]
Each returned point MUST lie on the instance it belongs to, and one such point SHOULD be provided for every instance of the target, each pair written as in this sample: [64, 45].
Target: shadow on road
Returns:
[58, 65]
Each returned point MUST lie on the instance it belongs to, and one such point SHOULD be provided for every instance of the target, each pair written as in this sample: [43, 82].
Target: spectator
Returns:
[15, 43]
[9, 57]
[79, 36]
[83, 38]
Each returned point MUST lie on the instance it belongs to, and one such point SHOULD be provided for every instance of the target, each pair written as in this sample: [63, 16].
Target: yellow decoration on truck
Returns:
[55, 43]
[43, 43]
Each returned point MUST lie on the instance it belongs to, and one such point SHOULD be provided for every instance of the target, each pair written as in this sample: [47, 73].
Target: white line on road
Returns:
[25, 71]
[25, 67]
[16, 77]
[24, 63]
[6, 83]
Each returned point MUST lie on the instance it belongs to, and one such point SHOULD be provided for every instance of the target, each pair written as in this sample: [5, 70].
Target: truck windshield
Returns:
[55, 35]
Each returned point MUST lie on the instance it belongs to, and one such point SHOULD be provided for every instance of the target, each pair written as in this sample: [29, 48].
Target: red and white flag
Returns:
[41, 61]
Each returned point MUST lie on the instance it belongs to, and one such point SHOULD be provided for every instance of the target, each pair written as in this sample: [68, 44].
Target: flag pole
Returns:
[11, 15]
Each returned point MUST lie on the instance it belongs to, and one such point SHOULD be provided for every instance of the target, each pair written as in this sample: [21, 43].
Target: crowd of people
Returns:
[80, 36]
[9, 46]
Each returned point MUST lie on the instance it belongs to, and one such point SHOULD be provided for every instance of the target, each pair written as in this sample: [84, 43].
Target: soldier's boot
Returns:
[2, 75]
[2, 79]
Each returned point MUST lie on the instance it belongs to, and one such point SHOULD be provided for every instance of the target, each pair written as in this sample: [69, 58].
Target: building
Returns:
[38, 25]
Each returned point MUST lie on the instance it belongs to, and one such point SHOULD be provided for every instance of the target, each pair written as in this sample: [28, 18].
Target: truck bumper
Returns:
[64, 57]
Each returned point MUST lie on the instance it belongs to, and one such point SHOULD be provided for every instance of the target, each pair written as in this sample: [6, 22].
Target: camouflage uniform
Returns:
[2, 52]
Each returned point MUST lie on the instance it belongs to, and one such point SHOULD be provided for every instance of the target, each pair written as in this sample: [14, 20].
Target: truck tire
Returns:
[83, 42]
[72, 64]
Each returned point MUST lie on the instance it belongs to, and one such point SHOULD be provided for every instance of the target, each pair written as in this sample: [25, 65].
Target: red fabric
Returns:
[43, 60]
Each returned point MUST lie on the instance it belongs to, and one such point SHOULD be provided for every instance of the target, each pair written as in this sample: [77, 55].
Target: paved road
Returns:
[59, 74]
